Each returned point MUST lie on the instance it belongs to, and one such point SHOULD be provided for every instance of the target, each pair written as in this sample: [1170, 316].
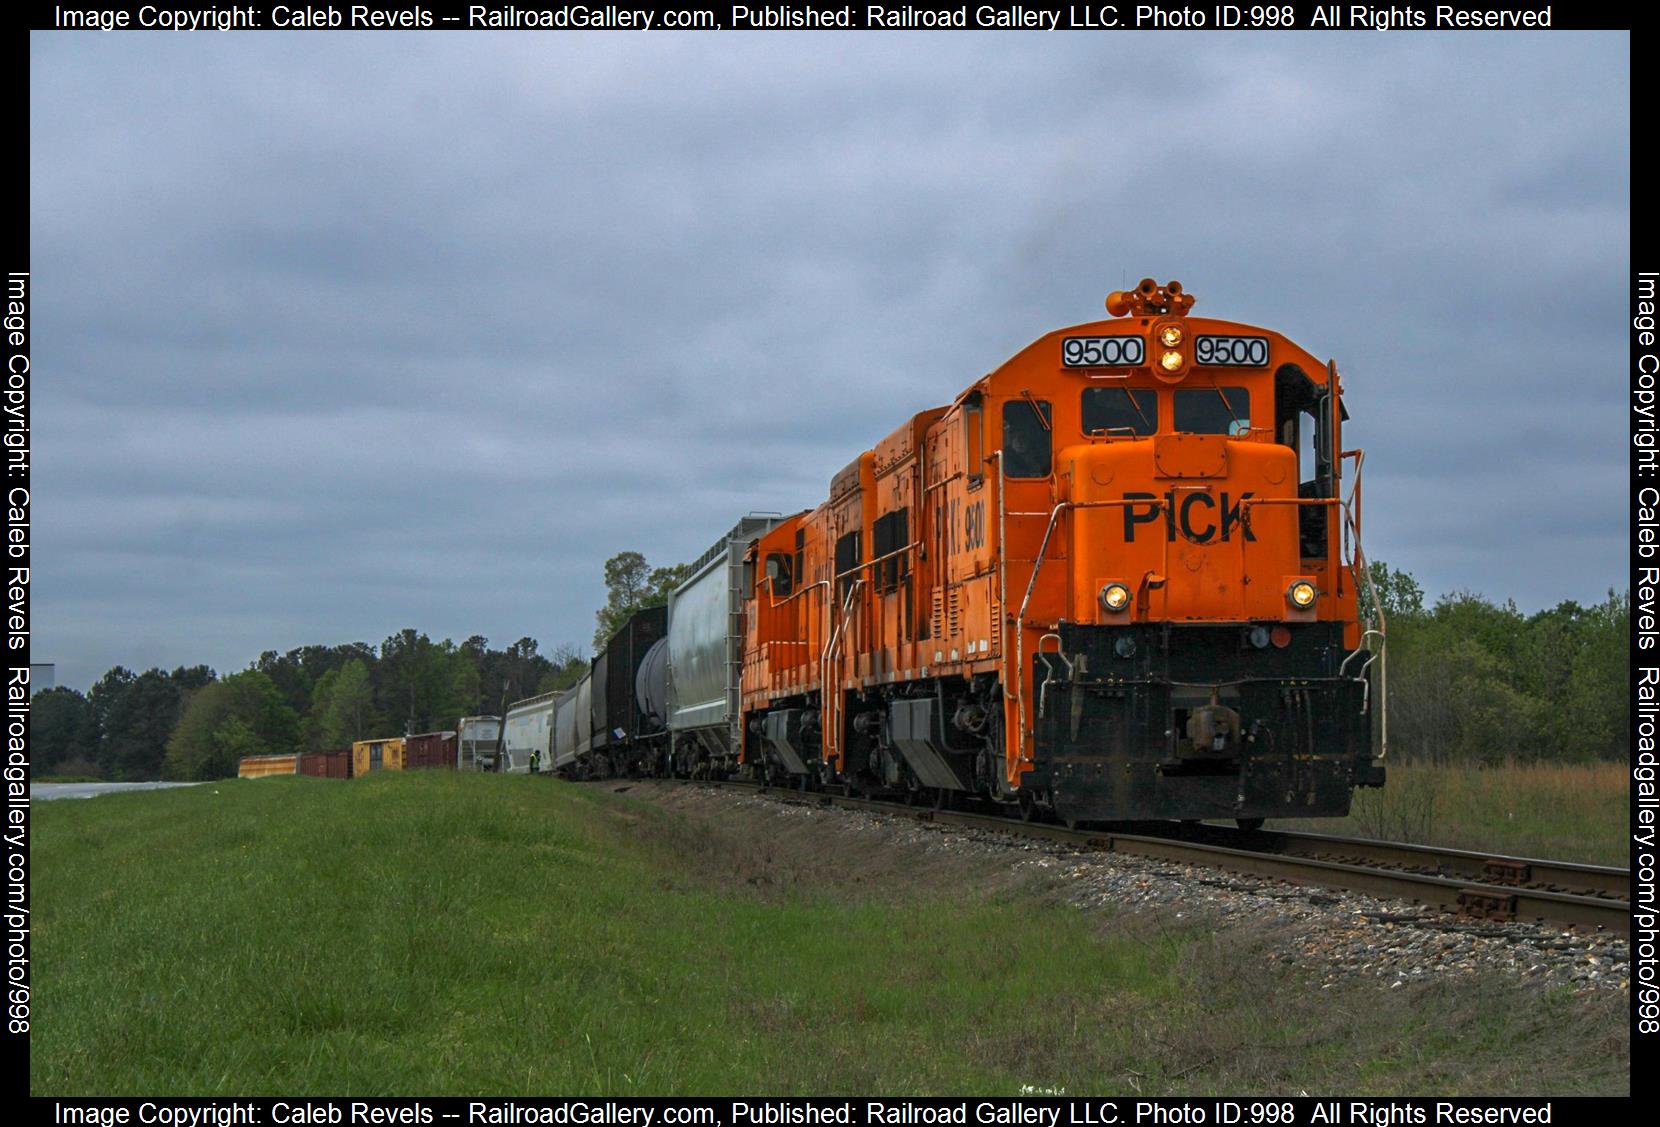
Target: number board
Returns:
[1231, 352]
[1102, 352]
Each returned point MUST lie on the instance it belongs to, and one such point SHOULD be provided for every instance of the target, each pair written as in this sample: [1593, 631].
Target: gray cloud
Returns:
[343, 333]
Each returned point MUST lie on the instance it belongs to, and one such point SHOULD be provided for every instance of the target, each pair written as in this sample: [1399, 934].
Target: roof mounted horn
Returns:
[1150, 299]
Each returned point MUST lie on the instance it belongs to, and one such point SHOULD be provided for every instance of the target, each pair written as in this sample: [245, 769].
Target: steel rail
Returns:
[1467, 864]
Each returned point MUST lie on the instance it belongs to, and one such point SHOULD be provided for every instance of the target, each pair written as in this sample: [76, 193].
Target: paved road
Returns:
[40, 792]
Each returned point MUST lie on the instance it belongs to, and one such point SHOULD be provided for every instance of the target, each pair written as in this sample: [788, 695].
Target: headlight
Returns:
[1302, 594]
[1115, 597]
[1170, 336]
[1171, 361]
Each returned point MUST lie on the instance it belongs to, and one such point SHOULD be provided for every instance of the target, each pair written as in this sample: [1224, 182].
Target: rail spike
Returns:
[1149, 299]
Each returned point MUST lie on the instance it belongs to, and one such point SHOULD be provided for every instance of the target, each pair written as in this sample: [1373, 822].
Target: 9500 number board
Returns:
[1131, 351]
[1103, 352]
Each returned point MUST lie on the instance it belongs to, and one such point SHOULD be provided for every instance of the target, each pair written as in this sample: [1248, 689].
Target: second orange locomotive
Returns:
[1117, 578]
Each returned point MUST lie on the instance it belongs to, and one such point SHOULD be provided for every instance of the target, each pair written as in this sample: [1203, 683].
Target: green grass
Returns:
[1564, 812]
[433, 933]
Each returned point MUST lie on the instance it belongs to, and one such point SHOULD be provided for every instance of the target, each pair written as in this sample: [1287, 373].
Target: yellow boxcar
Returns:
[377, 755]
[259, 766]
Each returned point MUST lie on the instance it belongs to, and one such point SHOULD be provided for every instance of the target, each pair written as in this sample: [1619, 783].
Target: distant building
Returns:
[42, 677]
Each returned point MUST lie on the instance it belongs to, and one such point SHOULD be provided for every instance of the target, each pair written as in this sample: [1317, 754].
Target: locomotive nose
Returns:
[1186, 527]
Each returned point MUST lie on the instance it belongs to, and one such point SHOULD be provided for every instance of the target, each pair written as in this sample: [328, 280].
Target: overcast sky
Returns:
[342, 333]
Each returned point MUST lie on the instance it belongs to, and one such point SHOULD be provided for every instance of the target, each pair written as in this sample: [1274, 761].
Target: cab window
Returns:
[1026, 438]
[1213, 410]
[890, 537]
[1302, 417]
[780, 573]
[1120, 410]
[849, 554]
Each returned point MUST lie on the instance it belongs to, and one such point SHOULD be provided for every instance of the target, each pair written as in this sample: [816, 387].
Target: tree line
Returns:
[1475, 682]
[1470, 682]
[193, 724]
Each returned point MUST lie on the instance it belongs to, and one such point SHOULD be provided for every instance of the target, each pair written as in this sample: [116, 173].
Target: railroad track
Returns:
[1467, 883]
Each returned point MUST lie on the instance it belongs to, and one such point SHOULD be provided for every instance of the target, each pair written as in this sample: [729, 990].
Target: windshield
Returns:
[1119, 410]
[1213, 410]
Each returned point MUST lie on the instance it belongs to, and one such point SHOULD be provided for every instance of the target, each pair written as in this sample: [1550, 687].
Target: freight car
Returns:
[613, 721]
[526, 731]
[264, 766]
[430, 749]
[705, 654]
[573, 729]
[623, 737]
[1117, 578]
[332, 764]
[323, 764]
[599, 728]
[476, 741]
[377, 755]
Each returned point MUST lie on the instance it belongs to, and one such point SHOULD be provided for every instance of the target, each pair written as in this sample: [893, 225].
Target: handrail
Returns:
[1049, 670]
[1003, 593]
[1020, 618]
[1362, 573]
[884, 557]
[774, 602]
[1362, 576]
[833, 731]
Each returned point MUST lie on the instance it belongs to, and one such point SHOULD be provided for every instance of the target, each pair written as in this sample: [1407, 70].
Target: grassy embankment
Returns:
[431, 933]
[1564, 812]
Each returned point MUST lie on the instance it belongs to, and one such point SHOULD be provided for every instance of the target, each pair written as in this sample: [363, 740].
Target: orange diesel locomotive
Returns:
[1118, 578]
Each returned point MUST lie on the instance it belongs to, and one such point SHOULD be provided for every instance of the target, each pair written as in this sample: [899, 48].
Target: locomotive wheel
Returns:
[1028, 807]
[1249, 825]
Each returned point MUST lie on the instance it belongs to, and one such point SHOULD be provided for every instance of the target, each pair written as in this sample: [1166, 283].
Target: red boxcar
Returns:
[327, 764]
[433, 749]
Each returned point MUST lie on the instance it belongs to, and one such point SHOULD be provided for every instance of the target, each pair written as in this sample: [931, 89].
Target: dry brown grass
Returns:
[773, 850]
[1567, 812]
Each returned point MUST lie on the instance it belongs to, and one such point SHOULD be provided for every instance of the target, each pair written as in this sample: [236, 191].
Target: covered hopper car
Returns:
[611, 721]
